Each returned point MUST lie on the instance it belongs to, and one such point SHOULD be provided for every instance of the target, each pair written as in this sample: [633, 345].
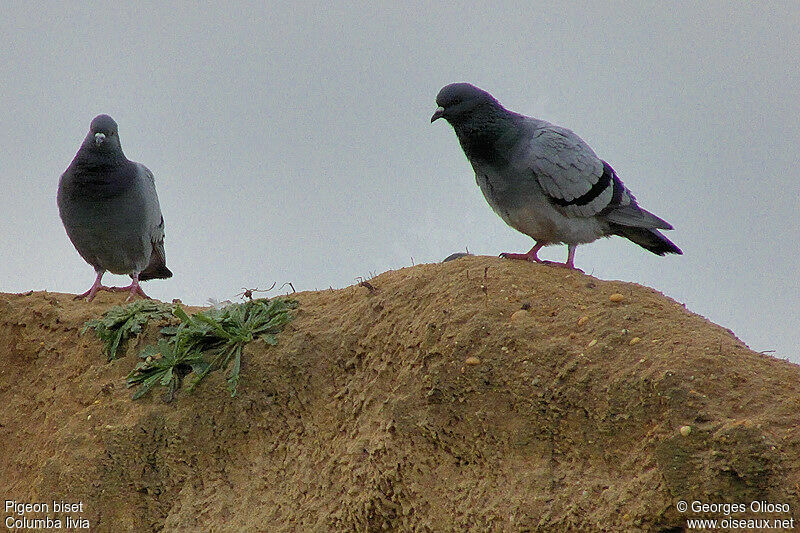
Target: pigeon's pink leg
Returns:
[530, 256]
[96, 286]
[570, 264]
[134, 288]
[570, 256]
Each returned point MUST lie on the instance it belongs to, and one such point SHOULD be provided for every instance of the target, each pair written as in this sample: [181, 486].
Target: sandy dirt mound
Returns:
[480, 394]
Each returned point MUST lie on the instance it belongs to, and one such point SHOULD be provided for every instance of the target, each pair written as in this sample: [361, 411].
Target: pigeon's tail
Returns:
[648, 238]
[157, 269]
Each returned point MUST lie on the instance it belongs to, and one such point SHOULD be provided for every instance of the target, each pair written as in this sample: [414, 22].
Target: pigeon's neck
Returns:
[488, 137]
[102, 175]
[89, 159]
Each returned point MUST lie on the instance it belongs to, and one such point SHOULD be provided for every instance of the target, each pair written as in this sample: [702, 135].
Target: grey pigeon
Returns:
[110, 210]
[543, 180]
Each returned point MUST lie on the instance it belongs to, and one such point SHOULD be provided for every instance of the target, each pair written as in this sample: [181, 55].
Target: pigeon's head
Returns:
[458, 101]
[103, 134]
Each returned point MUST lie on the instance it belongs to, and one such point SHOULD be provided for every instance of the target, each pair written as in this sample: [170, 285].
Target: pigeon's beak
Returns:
[438, 114]
[99, 138]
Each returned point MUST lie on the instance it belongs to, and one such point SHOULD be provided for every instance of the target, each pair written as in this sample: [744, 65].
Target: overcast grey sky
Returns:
[292, 142]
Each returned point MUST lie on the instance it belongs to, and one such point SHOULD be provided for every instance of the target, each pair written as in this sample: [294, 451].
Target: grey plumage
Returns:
[544, 180]
[110, 209]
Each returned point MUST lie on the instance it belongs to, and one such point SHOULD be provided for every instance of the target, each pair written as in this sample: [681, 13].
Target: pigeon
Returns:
[543, 180]
[110, 209]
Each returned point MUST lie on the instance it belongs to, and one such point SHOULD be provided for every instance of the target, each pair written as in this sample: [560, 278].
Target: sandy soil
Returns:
[480, 394]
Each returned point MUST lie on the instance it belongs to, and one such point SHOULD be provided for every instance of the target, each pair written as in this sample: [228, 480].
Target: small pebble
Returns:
[517, 316]
[583, 320]
[472, 361]
[685, 430]
[634, 340]
[616, 297]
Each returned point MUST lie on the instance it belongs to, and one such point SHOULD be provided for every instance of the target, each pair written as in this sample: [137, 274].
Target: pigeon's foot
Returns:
[566, 265]
[133, 288]
[522, 257]
[570, 264]
[534, 258]
[530, 256]
[96, 286]
[91, 293]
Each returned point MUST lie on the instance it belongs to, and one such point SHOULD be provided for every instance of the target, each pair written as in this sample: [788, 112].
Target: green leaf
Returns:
[181, 314]
[207, 341]
[233, 377]
[120, 323]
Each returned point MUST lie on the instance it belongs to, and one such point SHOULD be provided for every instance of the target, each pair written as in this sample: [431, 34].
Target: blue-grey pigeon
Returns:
[543, 180]
[110, 210]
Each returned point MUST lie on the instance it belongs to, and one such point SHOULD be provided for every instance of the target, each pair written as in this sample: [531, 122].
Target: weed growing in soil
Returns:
[163, 364]
[208, 341]
[120, 323]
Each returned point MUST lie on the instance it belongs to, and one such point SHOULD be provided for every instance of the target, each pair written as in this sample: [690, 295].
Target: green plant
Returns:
[163, 364]
[120, 323]
[208, 341]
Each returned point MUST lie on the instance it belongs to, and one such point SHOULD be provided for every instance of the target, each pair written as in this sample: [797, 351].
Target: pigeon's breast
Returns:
[110, 232]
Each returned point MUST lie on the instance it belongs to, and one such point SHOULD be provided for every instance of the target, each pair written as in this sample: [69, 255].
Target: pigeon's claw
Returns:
[96, 286]
[133, 289]
[531, 255]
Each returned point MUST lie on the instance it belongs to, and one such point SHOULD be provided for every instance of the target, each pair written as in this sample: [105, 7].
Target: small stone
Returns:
[583, 320]
[472, 361]
[616, 297]
[634, 340]
[685, 430]
[518, 316]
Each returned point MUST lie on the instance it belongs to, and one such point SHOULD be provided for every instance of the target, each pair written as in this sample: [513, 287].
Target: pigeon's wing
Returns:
[576, 181]
[157, 268]
[571, 175]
